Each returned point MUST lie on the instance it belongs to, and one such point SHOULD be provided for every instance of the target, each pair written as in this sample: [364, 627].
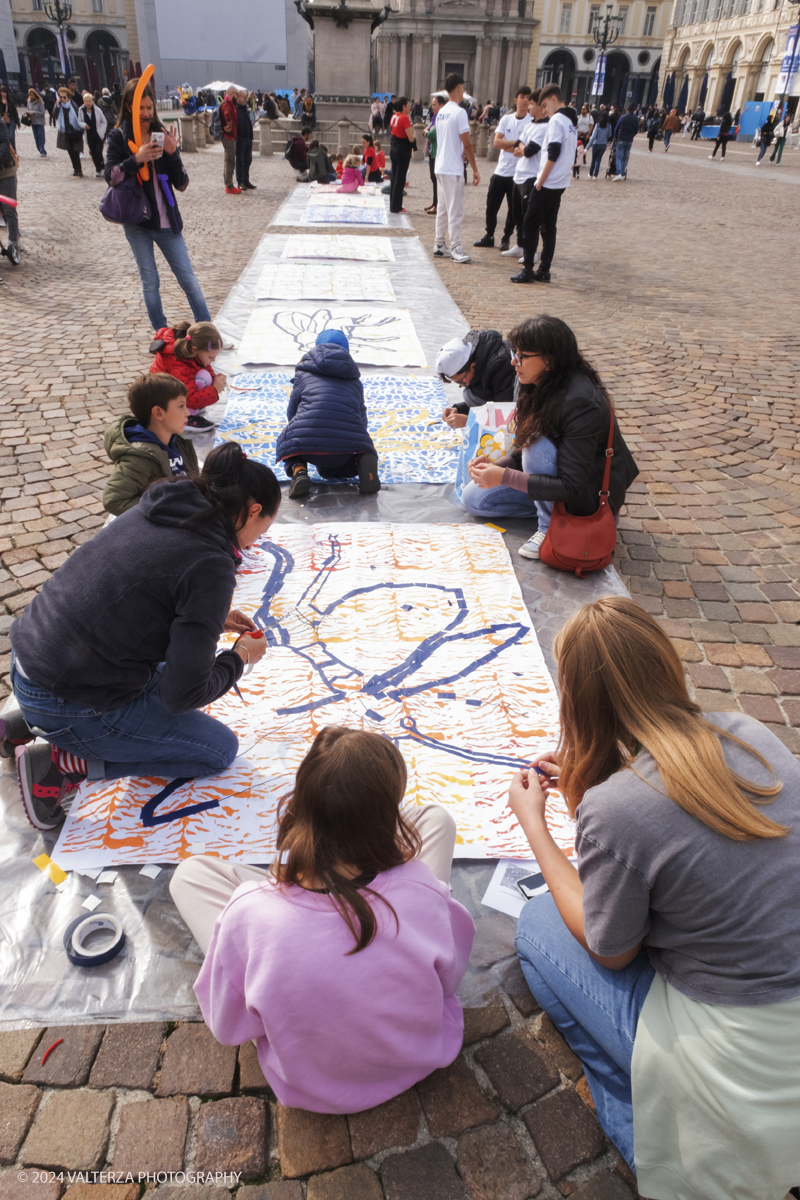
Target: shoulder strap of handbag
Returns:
[609, 455]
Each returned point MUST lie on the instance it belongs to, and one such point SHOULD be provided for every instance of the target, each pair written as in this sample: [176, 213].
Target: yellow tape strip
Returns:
[52, 870]
[499, 528]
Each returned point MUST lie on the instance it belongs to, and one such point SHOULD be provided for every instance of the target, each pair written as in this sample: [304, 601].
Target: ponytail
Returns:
[190, 338]
[231, 482]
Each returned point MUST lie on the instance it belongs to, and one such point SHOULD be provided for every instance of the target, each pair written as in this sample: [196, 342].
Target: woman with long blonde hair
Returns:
[670, 959]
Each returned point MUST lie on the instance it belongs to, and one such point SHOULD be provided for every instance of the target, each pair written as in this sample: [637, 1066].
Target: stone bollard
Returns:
[265, 126]
[188, 144]
[492, 153]
[419, 134]
[207, 138]
[483, 141]
[473, 134]
[345, 137]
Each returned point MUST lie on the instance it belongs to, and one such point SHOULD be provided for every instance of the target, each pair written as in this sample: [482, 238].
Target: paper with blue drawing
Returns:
[413, 443]
[323, 281]
[418, 632]
[338, 245]
[377, 337]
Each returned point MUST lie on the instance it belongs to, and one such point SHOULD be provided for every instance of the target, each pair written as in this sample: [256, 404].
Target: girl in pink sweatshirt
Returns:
[352, 178]
[342, 961]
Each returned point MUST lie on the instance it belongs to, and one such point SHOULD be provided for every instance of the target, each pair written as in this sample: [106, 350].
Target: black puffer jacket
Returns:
[145, 590]
[494, 376]
[580, 435]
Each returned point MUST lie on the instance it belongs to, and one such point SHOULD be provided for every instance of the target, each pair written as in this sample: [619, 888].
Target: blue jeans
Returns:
[667, 137]
[623, 154]
[537, 459]
[596, 1009]
[597, 158]
[173, 247]
[140, 738]
[38, 137]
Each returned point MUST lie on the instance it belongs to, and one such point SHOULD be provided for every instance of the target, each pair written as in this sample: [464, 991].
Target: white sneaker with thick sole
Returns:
[514, 252]
[459, 256]
[441, 252]
[531, 547]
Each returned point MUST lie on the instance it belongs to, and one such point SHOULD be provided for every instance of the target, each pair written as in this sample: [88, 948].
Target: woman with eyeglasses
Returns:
[563, 415]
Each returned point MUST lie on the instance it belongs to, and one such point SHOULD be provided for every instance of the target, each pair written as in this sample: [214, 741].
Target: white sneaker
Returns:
[458, 255]
[514, 252]
[441, 252]
[617, 178]
[531, 547]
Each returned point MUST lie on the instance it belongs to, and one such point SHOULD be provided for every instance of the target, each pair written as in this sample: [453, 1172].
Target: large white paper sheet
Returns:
[417, 632]
[338, 245]
[379, 337]
[324, 281]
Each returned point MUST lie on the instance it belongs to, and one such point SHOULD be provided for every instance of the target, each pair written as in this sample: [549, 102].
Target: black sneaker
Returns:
[368, 481]
[300, 485]
[250, 187]
[541, 276]
[504, 245]
[485, 241]
[14, 731]
[523, 276]
[197, 422]
[43, 785]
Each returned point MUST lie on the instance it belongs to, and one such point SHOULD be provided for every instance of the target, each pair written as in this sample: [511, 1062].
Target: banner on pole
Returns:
[789, 64]
[599, 81]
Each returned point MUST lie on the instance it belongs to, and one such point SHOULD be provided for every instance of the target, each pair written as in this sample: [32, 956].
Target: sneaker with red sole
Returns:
[43, 785]
[232, 191]
[14, 731]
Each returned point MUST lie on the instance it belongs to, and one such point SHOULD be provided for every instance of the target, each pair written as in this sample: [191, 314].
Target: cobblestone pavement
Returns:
[678, 286]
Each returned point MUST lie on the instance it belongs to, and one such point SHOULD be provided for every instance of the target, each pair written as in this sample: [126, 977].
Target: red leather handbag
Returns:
[583, 544]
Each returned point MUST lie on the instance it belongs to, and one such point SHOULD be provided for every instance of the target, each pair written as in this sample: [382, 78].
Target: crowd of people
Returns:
[669, 953]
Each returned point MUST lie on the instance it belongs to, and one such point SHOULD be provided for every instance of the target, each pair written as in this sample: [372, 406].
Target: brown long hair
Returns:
[345, 809]
[622, 690]
[189, 338]
[538, 405]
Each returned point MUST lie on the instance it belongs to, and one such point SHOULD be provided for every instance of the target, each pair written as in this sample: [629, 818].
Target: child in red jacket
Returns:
[188, 352]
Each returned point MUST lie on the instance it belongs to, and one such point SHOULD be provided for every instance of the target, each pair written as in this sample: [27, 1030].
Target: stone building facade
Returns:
[96, 42]
[726, 52]
[487, 41]
[567, 52]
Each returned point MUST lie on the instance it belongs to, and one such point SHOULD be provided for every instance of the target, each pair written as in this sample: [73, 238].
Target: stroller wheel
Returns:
[12, 253]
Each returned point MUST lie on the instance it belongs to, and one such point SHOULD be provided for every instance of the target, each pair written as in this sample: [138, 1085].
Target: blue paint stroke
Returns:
[151, 818]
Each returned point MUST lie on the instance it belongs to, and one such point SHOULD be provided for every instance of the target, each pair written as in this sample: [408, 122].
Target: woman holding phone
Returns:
[670, 959]
[163, 228]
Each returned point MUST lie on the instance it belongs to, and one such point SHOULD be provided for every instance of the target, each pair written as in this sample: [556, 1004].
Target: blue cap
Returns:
[334, 337]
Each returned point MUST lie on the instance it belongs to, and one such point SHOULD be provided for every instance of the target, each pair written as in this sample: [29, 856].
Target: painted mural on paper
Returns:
[418, 632]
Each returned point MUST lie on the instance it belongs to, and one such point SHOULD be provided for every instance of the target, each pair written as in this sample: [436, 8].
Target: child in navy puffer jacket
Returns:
[327, 420]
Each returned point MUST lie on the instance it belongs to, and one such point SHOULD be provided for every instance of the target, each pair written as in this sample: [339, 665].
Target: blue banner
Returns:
[599, 82]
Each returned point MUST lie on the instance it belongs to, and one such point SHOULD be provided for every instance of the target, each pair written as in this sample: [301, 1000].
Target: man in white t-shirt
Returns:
[452, 143]
[501, 185]
[527, 167]
[557, 151]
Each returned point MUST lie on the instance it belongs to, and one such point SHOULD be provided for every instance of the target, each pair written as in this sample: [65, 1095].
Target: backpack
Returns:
[288, 154]
[216, 125]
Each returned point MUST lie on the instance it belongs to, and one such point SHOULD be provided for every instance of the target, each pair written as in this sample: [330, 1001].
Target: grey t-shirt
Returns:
[720, 919]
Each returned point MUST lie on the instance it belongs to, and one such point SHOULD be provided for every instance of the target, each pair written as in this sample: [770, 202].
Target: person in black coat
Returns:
[163, 227]
[480, 363]
[114, 658]
[327, 420]
[562, 427]
[723, 135]
[244, 144]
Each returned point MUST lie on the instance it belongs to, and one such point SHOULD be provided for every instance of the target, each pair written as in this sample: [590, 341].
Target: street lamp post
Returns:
[61, 14]
[606, 30]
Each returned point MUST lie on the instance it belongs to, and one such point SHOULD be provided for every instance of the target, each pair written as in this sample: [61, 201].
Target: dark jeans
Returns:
[722, 140]
[698, 129]
[96, 151]
[244, 156]
[501, 187]
[332, 466]
[541, 216]
[75, 159]
[38, 137]
[8, 187]
[432, 170]
[651, 137]
[597, 158]
[400, 161]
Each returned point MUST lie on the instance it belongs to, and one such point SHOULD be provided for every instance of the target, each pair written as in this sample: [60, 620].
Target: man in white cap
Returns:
[480, 363]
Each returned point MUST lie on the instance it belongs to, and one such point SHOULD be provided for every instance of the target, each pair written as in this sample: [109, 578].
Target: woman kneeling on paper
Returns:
[115, 656]
[563, 414]
[670, 959]
[343, 960]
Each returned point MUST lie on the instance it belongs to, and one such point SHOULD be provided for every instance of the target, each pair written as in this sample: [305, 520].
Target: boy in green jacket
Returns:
[147, 446]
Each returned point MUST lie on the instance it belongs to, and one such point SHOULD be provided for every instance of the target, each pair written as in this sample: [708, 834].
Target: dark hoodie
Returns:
[494, 372]
[326, 413]
[145, 590]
